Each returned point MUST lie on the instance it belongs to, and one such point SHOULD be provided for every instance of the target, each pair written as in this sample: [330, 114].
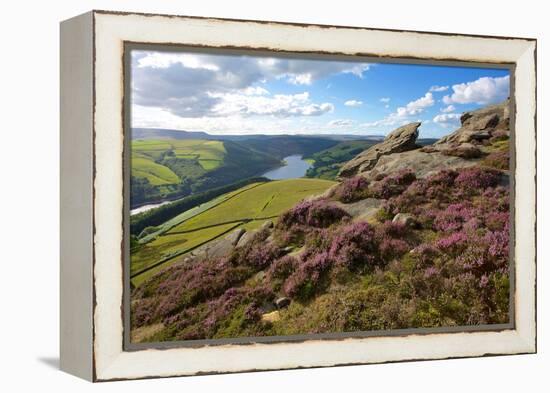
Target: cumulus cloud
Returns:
[194, 85]
[279, 105]
[483, 91]
[447, 119]
[340, 123]
[439, 89]
[417, 106]
[448, 109]
[353, 103]
[404, 114]
[385, 100]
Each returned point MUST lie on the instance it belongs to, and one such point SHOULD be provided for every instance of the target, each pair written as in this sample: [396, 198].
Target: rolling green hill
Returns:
[248, 207]
[171, 168]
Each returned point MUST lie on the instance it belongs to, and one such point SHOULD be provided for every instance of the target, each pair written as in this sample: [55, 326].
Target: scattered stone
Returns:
[361, 207]
[288, 249]
[282, 302]
[234, 236]
[259, 276]
[273, 316]
[267, 225]
[245, 238]
[405, 219]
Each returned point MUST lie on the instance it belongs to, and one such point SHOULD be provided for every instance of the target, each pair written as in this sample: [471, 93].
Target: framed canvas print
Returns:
[245, 195]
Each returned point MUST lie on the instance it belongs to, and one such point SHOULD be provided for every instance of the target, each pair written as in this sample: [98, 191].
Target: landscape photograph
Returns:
[272, 195]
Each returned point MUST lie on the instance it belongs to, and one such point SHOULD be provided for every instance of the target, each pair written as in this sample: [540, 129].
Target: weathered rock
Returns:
[245, 238]
[399, 140]
[282, 302]
[267, 225]
[405, 219]
[234, 236]
[219, 247]
[420, 162]
[273, 316]
[477, 126]
[360, 208]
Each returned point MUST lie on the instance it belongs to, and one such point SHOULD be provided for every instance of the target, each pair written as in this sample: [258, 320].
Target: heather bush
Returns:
[355, 247]
[467, 152]
[476, 178]
[306, 279]
[393, 184]
[392, 240]
[453, 217]
[316, 213]
[498, 160]
[351, 190]
[282, 268]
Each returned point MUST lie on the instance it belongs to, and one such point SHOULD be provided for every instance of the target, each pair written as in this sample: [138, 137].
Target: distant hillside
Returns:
[281, 146]
[164, 169]
[160, 133]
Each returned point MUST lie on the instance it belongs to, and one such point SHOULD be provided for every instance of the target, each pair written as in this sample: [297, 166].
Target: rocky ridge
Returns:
[462, 148]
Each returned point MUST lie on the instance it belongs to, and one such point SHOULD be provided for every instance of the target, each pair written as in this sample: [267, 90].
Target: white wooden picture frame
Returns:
[92, 195]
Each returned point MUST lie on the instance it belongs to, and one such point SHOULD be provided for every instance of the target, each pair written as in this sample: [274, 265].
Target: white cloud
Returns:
[483, 91]
[353, 103]
[417, 106]
[403, 115]
[202, 85]
[279, 105]
[255, 91]
[340, 123]
[300, 79]
[447, 119]
[385, 100]
[438, 89]
[448, 109]
[166, 60]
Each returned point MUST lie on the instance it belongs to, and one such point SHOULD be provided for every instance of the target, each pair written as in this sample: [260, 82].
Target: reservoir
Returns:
[295, 167]
[144, 208]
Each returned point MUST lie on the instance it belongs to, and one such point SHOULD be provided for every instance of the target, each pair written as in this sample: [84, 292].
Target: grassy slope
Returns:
[159, 252]
[209, 154]
[248, 207]
[266, 200]
[172, 168]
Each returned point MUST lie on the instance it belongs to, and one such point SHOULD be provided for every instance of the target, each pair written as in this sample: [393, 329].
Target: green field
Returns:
[146, 155]
[156, 174]
[175, 168]
[248, 207]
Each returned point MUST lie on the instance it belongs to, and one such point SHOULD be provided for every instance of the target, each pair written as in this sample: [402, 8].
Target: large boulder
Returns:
[399, 140]
[217, 248]
[421, 163]
[477, 126]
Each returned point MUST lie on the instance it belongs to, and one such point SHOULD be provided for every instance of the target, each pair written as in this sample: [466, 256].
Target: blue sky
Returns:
[223, 94]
